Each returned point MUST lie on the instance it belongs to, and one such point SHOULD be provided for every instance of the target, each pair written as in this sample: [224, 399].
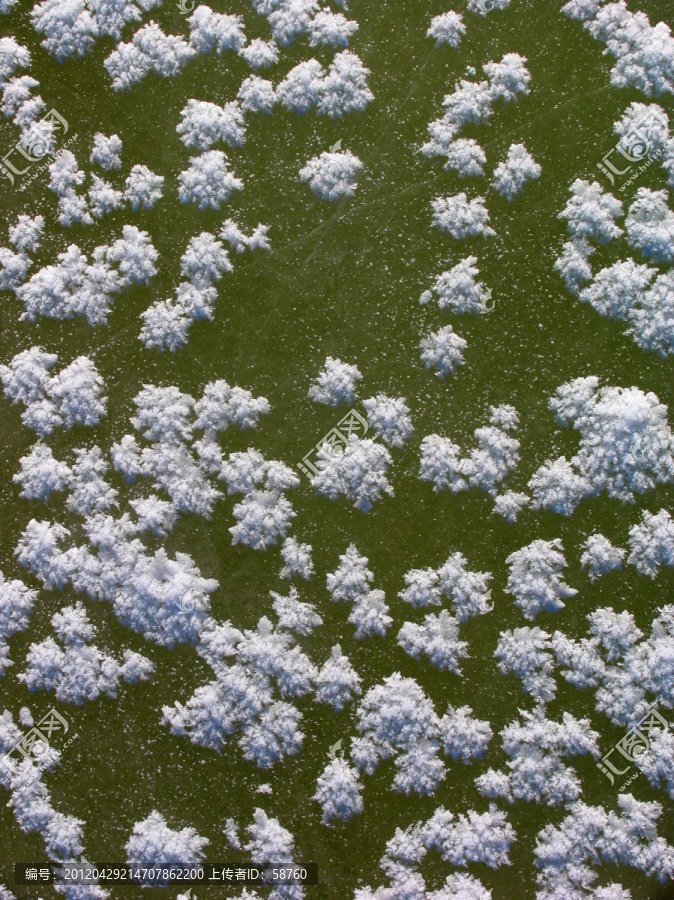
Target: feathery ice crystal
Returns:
[332, 176]
[336, 383]
[511, 175]
[461, 217]
[535, 579]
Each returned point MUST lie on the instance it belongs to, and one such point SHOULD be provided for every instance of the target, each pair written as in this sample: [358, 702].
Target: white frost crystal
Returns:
[269, 841]
[485, 467]
[163, 414]
[643, 52]
[652, 317]
[458, 289]
[589, 836]
[590, 213]
[81, 671]
[437, 638]
[510, 504]
[332, 176]
[301, 88]
[351, 581]
[293, 615]
[443, 350]
[471, 838]
[461, 217]
[573, 264]
[535, 579]
[16, 604]
[204, 261]
[149, 50]
[471, 102]
[203, 124]
[370, 615]
[351, 578]
[143, 188]
[527, 653]
[106, 151]
[41, 474]
[154, 843]
[650, 225]
[256, 95]
[396, 717]
[466, 157]
[468, 591]
[103, 197]
[344, 88]
[332, 29]
[447, 28]
[336, 383]
[297, 559]
[463, 737]
[441, 463]
[421, 588]
[652, 543]
[263, 518]
[27, 233]
[616, 289]
[518, 167]
[358, 471]
[600, 556]
[508, 78]
[389, 417]
[337, 682]
[69, 29]
[626, 446]
[536, 769]
[338, 791]
[260, 54]
[211, 31]
[73, 397]
[208, 181]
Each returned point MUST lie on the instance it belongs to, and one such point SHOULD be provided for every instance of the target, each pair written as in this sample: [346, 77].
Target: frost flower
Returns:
[336, 383]
[447, 28]
[443, 351]
[208, 182]
[332, 176]
[511, 175]
[461, 217]
[535, 578]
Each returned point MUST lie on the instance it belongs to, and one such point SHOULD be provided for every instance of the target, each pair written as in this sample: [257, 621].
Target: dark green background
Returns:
[341, 280]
